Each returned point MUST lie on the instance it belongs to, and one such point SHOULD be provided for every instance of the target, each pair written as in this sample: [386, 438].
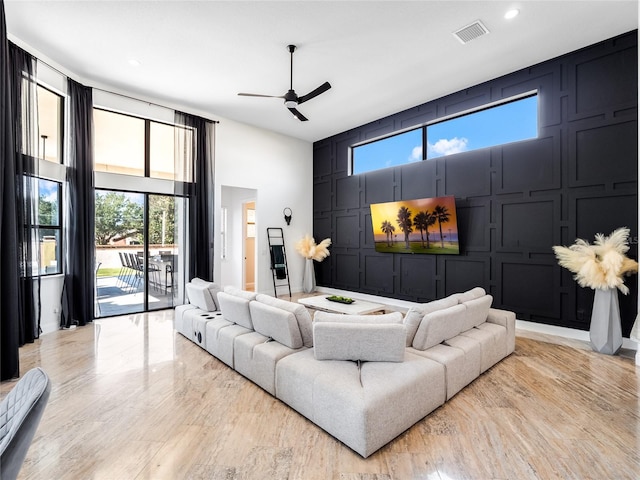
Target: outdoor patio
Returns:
[117, 295]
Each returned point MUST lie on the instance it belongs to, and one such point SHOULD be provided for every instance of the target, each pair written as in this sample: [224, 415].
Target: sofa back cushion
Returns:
[302, 315]
[368, 342]
[477, 312]
[203, 295]
[394, 317]
[438, 326]
[415, 314]
[234, 305]
[476, 292]
[276, 323]
[240, 293]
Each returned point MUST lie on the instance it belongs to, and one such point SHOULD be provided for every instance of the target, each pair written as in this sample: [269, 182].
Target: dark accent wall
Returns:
[514, 202]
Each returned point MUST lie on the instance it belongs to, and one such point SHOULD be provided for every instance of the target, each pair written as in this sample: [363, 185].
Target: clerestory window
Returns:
[511, 121]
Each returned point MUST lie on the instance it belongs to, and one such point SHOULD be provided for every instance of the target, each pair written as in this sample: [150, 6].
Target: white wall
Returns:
[50, 295]
[280, 170]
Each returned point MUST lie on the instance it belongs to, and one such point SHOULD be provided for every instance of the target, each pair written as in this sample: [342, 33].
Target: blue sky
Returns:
[503, 124]
[48, 190]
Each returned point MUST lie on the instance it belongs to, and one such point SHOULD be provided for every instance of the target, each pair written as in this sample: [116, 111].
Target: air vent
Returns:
[471, 32]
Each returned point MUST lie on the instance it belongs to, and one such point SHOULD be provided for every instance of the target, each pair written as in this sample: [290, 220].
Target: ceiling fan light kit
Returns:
[291, 99]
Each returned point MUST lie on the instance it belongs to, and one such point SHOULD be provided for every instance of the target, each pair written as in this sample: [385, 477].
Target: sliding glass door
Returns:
[138, 252]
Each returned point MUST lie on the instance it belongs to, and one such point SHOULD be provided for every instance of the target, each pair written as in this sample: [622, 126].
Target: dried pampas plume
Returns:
[308, 249]
[601, 265]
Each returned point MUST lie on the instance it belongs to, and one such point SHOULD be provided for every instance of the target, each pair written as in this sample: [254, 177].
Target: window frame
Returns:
[424, 127]
[61, 125]
[147, 166]
[38, 227]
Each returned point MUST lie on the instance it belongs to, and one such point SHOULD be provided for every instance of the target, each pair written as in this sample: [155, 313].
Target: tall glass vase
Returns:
[309, 277]
[605, 331]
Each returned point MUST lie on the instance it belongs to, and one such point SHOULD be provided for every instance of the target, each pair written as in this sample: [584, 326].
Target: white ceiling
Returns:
[381, 57]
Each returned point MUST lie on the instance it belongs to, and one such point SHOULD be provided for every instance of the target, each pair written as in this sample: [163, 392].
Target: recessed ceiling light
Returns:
[511, 14]
[134, 63]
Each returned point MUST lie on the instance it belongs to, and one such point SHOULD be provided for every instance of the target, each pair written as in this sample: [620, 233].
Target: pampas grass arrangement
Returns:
[308, 249]
[602, 265]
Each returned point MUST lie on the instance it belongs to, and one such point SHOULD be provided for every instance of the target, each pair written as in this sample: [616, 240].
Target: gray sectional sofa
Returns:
[363, 379]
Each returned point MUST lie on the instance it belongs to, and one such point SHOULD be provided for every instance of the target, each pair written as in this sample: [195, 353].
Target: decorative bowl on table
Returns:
[339, 299]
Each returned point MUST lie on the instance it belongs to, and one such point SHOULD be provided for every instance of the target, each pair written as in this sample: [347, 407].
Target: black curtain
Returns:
[9, 300]
[78, 292]
[24, 108]
[19, 237]
[195, 156]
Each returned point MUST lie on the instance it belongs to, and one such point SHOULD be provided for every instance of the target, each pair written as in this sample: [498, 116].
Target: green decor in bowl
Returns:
[339, 299]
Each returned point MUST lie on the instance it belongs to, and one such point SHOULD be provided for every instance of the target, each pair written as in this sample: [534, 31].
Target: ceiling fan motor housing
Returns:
[290, 99]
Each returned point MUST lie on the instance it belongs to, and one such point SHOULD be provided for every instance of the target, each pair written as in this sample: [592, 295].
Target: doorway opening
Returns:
[249, 222]
[240, 237]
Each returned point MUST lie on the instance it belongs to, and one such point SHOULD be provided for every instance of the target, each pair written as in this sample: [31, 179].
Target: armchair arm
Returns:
[506, 319]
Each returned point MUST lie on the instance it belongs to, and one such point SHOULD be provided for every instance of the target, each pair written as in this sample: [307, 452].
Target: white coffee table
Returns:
[359, 307]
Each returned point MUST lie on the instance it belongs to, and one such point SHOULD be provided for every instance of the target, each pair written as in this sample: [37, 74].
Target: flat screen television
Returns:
[425, 225]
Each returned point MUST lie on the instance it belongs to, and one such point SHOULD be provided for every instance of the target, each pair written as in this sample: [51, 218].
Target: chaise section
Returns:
[367, 407]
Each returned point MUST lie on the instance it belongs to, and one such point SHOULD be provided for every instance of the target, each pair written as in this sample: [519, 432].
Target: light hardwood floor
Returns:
[133, 400]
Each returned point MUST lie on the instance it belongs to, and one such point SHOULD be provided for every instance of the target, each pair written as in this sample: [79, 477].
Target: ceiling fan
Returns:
[291, 99]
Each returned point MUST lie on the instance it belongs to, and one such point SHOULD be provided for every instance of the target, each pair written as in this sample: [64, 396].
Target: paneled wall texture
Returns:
[514, 202]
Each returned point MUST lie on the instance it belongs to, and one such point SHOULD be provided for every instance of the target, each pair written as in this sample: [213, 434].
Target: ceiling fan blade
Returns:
[321, 89]
[259, 95]
[298, 115]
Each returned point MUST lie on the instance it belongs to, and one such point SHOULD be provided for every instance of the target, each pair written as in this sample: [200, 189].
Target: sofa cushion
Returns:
[476, 292]
[477, 312]
[276, 323]
[438, 326]
[415, 314]
[183, 323]
[359, 341]
[458, 369]
[203, 294]
[234, 304]
[214, 288]
[240, 293]
[394, 317]
[493, 343]
[299, 311]
[255, 357]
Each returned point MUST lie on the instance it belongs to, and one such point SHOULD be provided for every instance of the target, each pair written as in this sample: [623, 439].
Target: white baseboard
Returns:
[565, 332]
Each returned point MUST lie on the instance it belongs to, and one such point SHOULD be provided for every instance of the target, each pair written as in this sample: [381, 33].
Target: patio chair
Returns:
[123, 269]
[20, 414]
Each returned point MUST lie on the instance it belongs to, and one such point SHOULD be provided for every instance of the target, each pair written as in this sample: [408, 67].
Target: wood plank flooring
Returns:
[133, 400]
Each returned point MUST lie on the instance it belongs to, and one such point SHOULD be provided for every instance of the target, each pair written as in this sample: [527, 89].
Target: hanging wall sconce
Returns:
[287, 215]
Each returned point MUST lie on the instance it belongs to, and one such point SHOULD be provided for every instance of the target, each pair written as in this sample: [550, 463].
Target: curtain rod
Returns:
[149, 103]
[113, 93]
